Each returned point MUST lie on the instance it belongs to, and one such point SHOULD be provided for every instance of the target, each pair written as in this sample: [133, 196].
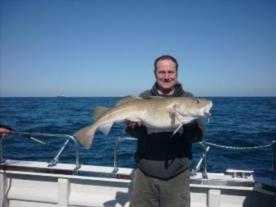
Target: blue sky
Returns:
[107, 47]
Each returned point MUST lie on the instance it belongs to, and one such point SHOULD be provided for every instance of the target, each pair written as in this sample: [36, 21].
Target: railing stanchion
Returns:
[205, 163]
[115, 161]
[56, 159]
[273, 156]
[1, 151]
[115, 151]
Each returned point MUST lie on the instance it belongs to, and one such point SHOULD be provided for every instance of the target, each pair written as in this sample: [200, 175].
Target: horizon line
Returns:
[215, 96]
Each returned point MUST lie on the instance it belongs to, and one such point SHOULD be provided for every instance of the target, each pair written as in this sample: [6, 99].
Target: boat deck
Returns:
[30, 184]
[52, 184]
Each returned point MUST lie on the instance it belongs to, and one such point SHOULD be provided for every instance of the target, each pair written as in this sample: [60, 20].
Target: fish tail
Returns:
[85, 136]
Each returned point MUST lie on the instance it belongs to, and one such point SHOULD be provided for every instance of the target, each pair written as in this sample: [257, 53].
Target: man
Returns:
[162, 175]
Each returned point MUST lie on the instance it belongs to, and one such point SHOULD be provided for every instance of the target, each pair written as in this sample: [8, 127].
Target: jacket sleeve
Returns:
[194, 131]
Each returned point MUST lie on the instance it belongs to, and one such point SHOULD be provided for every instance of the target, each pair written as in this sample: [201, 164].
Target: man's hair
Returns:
[165, 57]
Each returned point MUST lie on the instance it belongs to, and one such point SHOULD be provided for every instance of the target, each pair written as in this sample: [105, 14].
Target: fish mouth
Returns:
[206, 110]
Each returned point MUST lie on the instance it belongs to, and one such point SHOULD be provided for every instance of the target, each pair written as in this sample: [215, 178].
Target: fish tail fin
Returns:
[85, 136]
[99, 111]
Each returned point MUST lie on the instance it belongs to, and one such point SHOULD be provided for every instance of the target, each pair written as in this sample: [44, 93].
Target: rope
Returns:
[238, 148]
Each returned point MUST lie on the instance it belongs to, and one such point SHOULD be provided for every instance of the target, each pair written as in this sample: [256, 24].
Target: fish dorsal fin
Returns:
[128, 99]
[99, 111]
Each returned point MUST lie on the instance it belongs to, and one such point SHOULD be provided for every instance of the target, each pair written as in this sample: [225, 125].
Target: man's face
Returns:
[166, 74]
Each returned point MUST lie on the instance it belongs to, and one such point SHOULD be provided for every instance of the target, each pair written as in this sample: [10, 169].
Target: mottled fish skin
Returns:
[157, 114]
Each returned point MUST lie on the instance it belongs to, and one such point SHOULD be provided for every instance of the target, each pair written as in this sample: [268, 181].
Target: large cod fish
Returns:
[156, 113]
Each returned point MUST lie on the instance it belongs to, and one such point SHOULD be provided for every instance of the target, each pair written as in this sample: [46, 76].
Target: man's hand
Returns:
[4, 131]
[133, 124]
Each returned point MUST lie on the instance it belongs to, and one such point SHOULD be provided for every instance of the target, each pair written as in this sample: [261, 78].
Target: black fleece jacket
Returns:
[158, 154]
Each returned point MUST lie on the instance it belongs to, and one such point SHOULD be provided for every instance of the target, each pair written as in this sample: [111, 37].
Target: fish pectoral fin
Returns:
[185, 119]
[181, 119]
[172, 113]
[173, 118]
[105, 129]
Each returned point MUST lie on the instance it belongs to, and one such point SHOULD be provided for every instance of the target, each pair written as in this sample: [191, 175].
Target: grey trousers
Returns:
[153, 192]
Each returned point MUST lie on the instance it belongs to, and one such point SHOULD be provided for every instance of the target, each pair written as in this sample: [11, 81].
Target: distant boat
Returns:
[61, 96]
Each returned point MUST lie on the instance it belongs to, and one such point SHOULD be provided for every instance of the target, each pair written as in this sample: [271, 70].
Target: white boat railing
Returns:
[272, 145]
[203, 161]
[201, 165]
[34, 136]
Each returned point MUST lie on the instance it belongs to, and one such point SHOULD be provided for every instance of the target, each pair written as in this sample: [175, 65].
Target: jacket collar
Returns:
[177, 92]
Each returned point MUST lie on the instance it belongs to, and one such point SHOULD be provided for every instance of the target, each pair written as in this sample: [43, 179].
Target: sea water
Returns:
[235, 121]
